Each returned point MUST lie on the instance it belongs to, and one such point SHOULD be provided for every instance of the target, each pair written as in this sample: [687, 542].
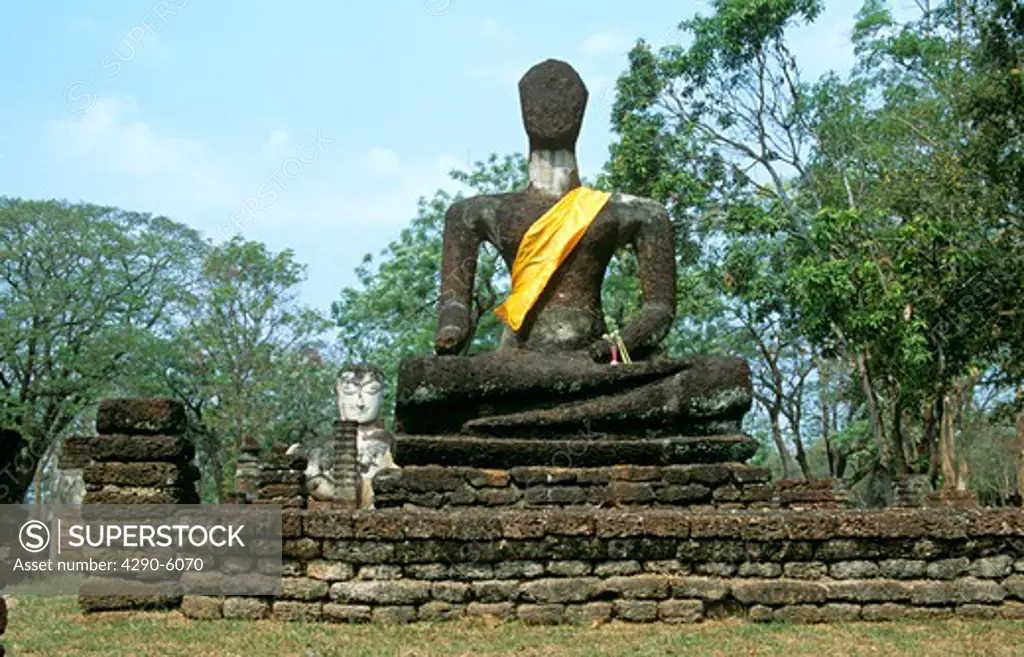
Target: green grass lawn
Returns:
[54, 626]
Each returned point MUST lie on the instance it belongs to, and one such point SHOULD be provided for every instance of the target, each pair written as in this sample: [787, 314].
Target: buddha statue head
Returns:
[360, 393]
[552, 96]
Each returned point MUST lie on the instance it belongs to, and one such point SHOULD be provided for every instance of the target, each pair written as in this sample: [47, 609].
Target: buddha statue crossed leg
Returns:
[551, 384]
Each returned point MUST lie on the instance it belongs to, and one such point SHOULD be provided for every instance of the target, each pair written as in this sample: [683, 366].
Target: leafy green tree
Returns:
[248, 361]
[80, 286]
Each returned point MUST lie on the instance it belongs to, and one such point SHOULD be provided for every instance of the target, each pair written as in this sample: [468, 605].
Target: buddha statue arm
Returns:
[654, 240]
[458, 271]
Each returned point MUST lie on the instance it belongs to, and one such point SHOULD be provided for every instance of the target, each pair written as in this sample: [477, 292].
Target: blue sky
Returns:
[347, 112]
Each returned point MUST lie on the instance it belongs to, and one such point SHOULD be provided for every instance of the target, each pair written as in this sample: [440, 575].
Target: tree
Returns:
[247, 360]
[80, 286]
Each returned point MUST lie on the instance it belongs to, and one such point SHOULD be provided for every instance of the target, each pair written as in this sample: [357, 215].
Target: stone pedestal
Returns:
[345, 470]
[281, 480]
[699, 487]
[140, 457]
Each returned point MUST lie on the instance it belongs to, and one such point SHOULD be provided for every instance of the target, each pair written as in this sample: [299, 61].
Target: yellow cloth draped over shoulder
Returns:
[546, 245]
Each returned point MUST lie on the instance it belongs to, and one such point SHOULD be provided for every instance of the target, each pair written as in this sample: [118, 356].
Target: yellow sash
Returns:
[546, 245]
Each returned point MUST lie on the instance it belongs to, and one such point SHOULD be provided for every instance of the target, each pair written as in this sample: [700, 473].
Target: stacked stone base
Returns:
[727, 486]
[140, 457]
[649, 565]
[281, 481]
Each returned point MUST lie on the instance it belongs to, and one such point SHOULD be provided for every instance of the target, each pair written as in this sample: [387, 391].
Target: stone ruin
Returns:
[548, 482]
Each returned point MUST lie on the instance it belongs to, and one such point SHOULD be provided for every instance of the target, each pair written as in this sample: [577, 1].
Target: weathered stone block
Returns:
[877, 590]
[518, 569]
[1014, 585]
[246, 608]
[805, 570]
[499, 496]
[683, 494]
[118, 496]
[328, 524]
[382, 571]
[440, 611]
[502, 610]
[991, 567]
[292, 610]
[667, 567]
[681, 611]
[347, 613]
[560, 590]
[613, 568]
[140, 416]
[360, 552]
[303, 588]
[715, 569]
[202, 607]
[760, 614]
[125, 448]
[301, 548]
[837, 612]
[902, 568]
[427, 571]
[399, 615]
[589, 613]
[853, 569]
[763, 570]
[329, 571]
[644, 587]
[970, 589]
[568, 568]
[483, 478]
[492, 591]
[550, 614]
[449, 591]
[705, 588]
[798, 614]
[541, 475]
[627, 492]
[619, 524]
[640, 611]
[554, 495]
[777, 592]
[930, 592]
[396, 592]
[947, 568]
[890, 611]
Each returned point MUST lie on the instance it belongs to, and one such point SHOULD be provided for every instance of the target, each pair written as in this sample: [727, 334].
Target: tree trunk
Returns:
[930, 437]
[17, 467]
[877, 426]
[948, 447]
[1020, 441]
[899, 453]
[826, 434]
[787, 460]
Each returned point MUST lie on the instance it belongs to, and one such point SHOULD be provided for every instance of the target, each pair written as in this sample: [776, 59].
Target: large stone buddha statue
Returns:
[556, 383]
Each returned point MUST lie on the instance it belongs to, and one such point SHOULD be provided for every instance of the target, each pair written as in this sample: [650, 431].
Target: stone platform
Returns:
[726, 486]
[649, 565]
[489, 452]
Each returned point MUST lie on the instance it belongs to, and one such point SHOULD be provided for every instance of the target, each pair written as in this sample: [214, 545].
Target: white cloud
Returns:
[606, 43]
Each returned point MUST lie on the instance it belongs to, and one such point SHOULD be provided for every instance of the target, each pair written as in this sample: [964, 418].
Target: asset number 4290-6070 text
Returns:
[181, 563]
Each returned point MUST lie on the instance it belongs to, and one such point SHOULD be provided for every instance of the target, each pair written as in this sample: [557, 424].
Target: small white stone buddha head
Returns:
[360, 393]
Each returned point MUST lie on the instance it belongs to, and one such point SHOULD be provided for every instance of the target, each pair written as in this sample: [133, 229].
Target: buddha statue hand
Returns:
[452, 329]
